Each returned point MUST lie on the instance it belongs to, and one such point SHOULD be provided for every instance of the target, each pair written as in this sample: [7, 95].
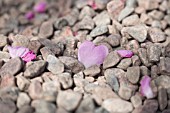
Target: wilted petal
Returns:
[29, 15]
[145, 87]
[90, 55]
[17, 51]
[40, 7]
[125, 53]
[29, 56]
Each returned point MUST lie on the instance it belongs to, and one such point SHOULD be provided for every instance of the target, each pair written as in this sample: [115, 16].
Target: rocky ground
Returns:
[56, 82]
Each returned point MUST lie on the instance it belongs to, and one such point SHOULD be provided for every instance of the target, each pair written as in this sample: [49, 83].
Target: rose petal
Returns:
[90, 55]
[145, 87]
[29, 15]
[29, 56]
[125, 53]
[40, 7]
[17, 51]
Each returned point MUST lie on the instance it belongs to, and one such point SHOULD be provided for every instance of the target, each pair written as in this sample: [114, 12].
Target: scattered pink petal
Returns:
[17, 51]
[40, 7]
[21, 52]
[145, 87]
[125, 53]
[29, 56]
[90, 55]
[92, 4]
[29, 15]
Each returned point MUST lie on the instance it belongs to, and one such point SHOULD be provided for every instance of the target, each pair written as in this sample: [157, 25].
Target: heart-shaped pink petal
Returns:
[125, 53]
[17, 51]
[145, 87]
[40, 7]
[90, 55]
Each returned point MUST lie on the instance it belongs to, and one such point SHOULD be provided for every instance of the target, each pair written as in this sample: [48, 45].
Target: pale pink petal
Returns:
[125, 53]
[29, 15]
[29, 56]
[17, 51]
[146, 88]
[90, 55]
[40, 7]
[92, 4]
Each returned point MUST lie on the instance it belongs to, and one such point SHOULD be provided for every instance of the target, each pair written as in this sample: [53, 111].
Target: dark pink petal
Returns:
[145, 87]
[40, 7]
[29, 15]
[17, 51]
[29, 56]
[90, 55]
[125, 53]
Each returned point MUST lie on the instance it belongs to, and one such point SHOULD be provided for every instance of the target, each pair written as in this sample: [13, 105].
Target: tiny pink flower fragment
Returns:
[125, 53]
[40, 7]
[89, 54]
[145, 87]
[29, 56]
[21, 52]
[92, 4]
[29, 15]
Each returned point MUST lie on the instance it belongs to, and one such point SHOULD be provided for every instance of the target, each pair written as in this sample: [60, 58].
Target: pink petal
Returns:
[29, 56]
[125, 53]
[145, 87]
[29, 15]
[92, 4]
[90, 55]
[17, 51]
[40, 7]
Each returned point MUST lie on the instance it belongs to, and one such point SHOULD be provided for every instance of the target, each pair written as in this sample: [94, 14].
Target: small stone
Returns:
[42, 106]
[143, 56]
[87, 23]
[7, 81]
[86, 106]
[162, 99]
[102, 19]
[118, 105]
[111, 60]
[23, 99]
[101, 110]
[154, 71]
[154, 52]
[20, 40]
[133, 74]
[65, 80]
[114, 8]
[125, 92]
[72, 64]
[144, 70]
[54, 65]
[61, 110]
[43, 32]
[131, 3]
[131, 20]
[12, 67]
[136, 101]
[34, 46]
[156, 35]
[167, 50]
[125, 12]
[4, 55]
[157, 15]
[35, 69]
[92, 71]
[9, 93]
[112, 80]
[124, 63]
[99, 30]
[166, 111]
[3, 40]
[148, 5]
[69, 100]
[151, 106]
[138, 32]
[26, 109]
[113, 40]
[7, 106]
[87, 11]
[119, 73]
[60, 23]
[135, 60]
[22, 82]
[45, 51]
[164, 65]
[35, 90]
[163, 81]
[133, 45]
